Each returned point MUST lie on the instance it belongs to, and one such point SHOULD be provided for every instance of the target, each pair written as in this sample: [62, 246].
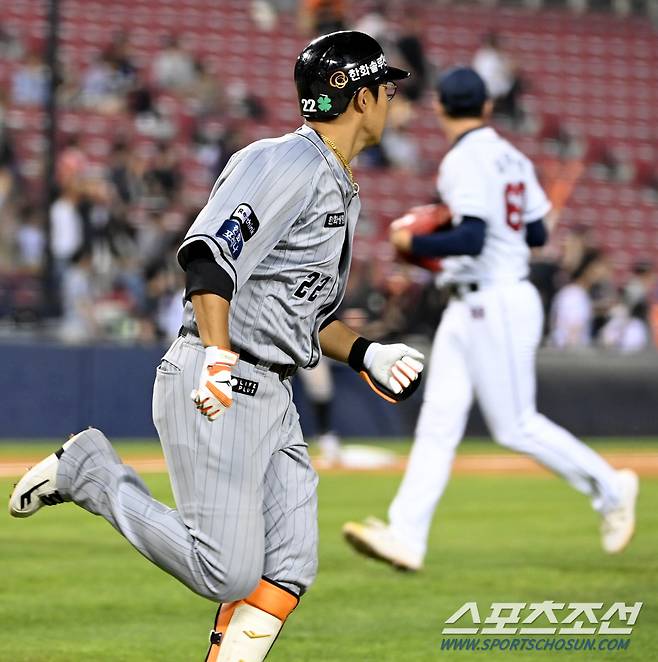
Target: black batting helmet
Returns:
[332, 68]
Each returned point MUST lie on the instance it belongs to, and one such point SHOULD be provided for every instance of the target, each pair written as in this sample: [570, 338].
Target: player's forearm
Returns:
[466, 239]
[211, 313]
[336, 340]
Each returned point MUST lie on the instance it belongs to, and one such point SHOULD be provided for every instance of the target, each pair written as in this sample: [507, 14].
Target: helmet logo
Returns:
[338, 79]
[324, 103]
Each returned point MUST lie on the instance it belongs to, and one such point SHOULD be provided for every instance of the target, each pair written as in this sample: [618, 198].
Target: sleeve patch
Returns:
[231, 234]
[241, 226]
[248, 221]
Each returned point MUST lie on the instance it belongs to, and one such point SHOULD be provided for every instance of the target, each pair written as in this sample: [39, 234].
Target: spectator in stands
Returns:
[149, 119]
[103, 88]
[4, 103]
[140, 99]
[399, 147]
[398, 310]
[376, 23]
[153, 238]
[72, 163]
[126, 173]
[207, 93]
[30, 239]
[9, 171]
[120, 55]
[163, 178]
[78, 323]
[242, 103]
[641, 288]
[500, 75]
[173, 67]
[627, 330]
[572, 312]
[162, 311]
[66, 228]
[412, 51]
[30, 82]
[11, 47]
[577, 241]
[264, 14]
[320, 17]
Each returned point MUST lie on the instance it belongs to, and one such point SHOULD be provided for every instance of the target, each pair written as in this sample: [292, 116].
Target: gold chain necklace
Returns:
[342, 159]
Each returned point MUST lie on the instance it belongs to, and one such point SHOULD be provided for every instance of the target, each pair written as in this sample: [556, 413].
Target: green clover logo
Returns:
[324, 103]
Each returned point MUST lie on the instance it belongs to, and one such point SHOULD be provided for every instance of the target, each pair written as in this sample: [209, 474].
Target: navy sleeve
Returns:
[536, 234]
[466, 239]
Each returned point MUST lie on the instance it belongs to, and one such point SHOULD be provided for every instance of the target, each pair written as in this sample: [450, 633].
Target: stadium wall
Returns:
[50, 391]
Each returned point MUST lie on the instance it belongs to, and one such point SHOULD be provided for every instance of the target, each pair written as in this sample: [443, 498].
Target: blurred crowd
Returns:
[584, 308]
[102, 266]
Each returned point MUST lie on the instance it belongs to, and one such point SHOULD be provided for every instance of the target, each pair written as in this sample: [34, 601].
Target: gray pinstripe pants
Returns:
[244, 487]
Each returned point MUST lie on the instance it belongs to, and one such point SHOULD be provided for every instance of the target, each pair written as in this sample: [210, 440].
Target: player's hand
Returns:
[401, 238]
[393, 371]
[214, 394]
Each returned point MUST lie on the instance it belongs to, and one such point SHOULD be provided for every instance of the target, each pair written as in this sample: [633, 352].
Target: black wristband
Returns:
[358, 353]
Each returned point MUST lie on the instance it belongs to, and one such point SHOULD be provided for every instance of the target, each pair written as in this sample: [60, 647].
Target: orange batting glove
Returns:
[214, 394]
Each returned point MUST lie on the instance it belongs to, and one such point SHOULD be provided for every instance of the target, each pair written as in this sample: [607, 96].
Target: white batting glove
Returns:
[214, 394]
[394, 366]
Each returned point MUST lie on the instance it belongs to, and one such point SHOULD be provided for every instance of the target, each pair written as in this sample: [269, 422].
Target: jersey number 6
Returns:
[514, 202]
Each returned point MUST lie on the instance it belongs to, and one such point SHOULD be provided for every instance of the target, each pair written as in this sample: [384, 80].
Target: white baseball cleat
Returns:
[374, 538]
[618, 525]
[37, 487]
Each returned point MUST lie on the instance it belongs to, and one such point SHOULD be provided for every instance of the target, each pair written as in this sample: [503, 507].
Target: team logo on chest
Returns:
[241, 226]
[335, 220]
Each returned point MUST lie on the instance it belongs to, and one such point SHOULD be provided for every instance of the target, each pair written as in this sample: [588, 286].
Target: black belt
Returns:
[458, 290]
[280, 369]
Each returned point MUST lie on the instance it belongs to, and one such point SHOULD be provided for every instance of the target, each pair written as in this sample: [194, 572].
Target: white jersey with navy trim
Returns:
[486, 342]
[280, 221]
[483, 175]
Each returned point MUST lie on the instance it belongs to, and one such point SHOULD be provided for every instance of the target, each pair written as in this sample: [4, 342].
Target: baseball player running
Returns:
[266, 264]
[486, 343]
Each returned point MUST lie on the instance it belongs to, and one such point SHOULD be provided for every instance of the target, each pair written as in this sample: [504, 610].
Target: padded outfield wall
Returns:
[50, 391]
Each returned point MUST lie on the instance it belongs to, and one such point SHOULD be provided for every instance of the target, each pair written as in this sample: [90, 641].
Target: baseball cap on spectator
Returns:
[462, 92]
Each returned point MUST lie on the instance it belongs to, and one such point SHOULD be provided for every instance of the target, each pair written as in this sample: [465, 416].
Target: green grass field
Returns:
[72, 589]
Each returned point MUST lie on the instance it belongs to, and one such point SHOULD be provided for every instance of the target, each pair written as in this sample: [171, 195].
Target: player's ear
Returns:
[361, 100]
[487, 110]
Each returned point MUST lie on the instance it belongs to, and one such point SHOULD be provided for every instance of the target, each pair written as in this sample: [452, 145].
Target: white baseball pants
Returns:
[485, 347]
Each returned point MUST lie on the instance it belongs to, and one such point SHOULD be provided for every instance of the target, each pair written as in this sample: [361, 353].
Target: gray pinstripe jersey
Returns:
[280, 221]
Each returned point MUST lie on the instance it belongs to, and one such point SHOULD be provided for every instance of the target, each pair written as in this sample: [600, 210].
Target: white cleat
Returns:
[375, 539]
[618, 526]
[37, 487]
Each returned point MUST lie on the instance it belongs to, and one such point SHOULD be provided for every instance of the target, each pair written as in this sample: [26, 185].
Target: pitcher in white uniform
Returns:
[486, 343]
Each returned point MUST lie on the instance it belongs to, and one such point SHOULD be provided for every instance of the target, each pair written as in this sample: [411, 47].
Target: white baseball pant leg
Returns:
[496, 331]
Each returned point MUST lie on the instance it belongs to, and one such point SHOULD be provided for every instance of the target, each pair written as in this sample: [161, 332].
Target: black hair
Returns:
[642, 267]
[640, 311]
[80, 254]
[374, 90]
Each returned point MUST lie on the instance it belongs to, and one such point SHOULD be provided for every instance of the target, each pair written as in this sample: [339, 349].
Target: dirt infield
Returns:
[644, 463]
